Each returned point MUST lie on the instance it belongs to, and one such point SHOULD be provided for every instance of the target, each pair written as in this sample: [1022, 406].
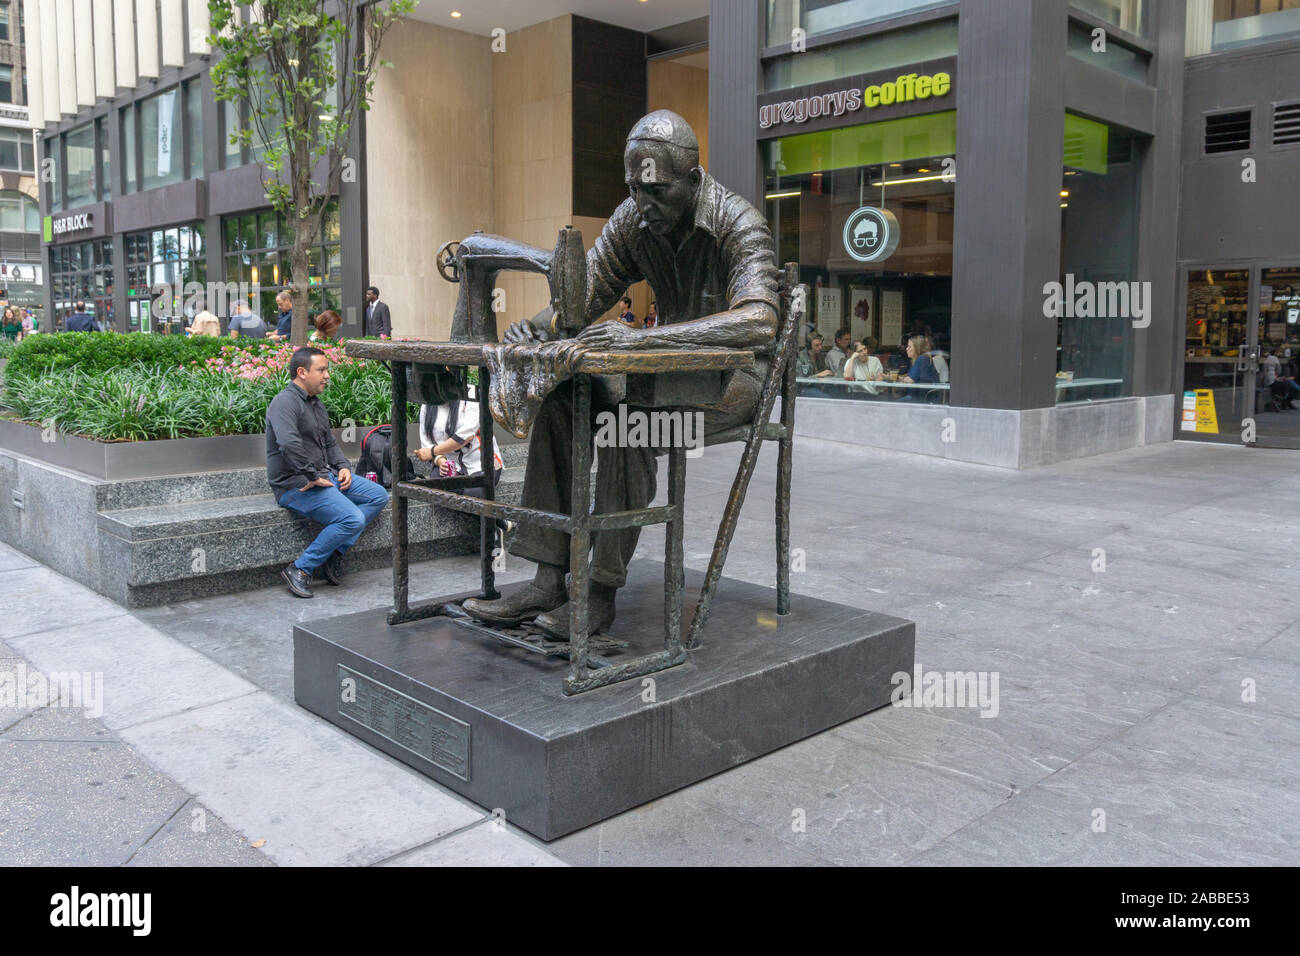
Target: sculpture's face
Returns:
[664, 196]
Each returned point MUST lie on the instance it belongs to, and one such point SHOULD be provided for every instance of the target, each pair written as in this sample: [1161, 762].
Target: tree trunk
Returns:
[298, 265]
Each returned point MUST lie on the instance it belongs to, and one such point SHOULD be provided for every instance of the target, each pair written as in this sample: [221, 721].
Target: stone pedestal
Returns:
[490, 722]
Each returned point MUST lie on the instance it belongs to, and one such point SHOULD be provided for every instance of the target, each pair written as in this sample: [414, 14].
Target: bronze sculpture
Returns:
[708, 255]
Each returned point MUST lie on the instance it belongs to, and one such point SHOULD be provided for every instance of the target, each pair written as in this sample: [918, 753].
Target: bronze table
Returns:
[660, 378]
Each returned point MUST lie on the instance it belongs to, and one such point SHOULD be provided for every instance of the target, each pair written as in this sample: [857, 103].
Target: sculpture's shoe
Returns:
[600, 615]
[522, 605]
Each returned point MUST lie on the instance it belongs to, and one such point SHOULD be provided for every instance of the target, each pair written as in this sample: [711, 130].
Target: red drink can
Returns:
[372, 476]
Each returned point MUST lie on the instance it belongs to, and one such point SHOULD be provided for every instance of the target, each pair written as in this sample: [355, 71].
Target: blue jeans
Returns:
[344, 514]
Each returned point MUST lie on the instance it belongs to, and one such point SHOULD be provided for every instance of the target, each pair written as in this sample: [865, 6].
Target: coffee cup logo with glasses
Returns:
[870, 234]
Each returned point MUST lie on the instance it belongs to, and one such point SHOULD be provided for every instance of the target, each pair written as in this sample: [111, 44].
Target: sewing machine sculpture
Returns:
[432, 685]
[475, 262]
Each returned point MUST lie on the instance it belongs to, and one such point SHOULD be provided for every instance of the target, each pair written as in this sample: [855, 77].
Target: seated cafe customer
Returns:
[837, 356]
[861, 366]
[922, 370]
[310, 475]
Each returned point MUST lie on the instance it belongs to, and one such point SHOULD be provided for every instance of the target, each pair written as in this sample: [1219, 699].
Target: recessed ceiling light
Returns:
[923, 170]
[1064, 193]
[455, 14]
[895, 165]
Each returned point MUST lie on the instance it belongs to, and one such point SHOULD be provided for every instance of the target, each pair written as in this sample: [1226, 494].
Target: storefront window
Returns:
[257, 250]
[1128, 15]
[161, 138]
[867, 212]
[174, 257]
[1100, 300]
[1214, 25]
[916, 44]
[816, 17]
[80, 146]
[83, 271]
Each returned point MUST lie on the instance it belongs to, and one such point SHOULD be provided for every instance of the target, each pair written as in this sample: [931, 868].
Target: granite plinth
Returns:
[490, 721]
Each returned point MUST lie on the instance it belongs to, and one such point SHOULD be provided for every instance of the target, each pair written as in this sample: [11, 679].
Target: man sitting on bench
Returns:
[311, 477]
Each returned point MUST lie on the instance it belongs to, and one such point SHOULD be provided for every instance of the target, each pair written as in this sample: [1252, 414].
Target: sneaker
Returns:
[299, 581]
[333, 569]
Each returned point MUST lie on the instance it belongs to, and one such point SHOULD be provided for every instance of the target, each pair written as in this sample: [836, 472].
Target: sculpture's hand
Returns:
[612, 335]
[523, 332]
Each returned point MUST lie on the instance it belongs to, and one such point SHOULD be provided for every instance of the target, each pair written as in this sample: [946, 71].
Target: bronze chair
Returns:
[780, 380]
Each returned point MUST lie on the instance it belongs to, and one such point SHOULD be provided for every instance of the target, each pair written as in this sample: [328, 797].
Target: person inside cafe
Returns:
[922, 371]
[837, 356]
[864, 368]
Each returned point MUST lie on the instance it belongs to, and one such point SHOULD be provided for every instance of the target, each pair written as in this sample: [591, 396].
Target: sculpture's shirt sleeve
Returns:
[611, 262]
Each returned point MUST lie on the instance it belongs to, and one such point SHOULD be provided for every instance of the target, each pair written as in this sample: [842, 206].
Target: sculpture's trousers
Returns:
[625, 476]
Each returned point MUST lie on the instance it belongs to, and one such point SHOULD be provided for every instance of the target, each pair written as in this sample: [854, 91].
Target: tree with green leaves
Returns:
[305, 71]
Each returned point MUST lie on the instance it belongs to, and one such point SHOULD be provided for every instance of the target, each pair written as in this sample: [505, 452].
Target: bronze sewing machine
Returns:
[475, 261]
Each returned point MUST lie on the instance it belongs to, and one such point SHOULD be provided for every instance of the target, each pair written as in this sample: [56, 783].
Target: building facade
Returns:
[1036, 189]
[1079, 216]
[21, 269]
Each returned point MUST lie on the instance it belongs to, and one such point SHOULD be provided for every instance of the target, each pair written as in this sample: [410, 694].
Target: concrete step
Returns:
[159, 554]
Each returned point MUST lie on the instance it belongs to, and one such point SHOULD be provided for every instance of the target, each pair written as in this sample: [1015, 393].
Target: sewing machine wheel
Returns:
[448, 268]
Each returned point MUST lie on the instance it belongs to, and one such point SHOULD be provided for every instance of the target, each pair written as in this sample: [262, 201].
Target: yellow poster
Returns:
[1206, 420]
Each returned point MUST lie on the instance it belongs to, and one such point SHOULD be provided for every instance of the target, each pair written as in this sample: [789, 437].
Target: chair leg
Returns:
[784, 458]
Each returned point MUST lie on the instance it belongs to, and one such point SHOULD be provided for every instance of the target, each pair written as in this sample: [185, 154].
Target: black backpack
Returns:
[377, 454]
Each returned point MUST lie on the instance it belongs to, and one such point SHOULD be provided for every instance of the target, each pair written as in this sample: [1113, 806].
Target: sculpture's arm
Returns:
[750, 325]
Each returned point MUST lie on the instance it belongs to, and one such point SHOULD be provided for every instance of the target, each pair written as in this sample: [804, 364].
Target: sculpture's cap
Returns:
[665, 126]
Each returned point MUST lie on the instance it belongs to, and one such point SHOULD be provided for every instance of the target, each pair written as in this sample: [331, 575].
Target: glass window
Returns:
[257, 251]
[867, 211]
[925, 41]
[194, 128]
[105, 174]
[1115, 57]
[9, 153]
[160, 138]
[80, 146]
[6, 84]
[1214, 25]
[1128, 15]
[53, 152]
[231, 155]
[28, 153]
[128, 147]
[815, 17]
[1099, 297]
[18, 212]
[163, 256]
[4, 22]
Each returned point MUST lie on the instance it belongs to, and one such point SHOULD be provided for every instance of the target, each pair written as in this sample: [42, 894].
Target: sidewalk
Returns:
[1123, 731]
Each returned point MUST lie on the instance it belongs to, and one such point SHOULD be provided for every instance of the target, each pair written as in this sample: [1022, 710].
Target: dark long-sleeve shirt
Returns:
[299, 444]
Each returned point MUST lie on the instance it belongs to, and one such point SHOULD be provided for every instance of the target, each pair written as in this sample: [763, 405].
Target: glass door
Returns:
[1217, 358]
[1277, 337]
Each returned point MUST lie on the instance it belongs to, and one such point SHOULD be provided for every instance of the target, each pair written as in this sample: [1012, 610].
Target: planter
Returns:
[117, 461]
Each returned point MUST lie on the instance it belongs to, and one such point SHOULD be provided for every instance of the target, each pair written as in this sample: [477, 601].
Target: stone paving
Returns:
[1139, 611]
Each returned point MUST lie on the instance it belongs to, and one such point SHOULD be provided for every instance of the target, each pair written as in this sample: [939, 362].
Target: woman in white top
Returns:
[862, 366]
[449, 437]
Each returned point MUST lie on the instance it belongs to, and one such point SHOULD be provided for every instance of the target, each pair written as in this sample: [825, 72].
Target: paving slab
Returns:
[38, 599]
[313, 793]
[196, 837]
[1199, 784]
[492, 843]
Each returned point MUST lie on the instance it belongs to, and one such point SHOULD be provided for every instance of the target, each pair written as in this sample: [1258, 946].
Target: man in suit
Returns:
[80, 321]
[378, 322]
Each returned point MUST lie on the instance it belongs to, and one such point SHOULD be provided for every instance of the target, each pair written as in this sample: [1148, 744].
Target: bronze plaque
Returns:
[411, 724]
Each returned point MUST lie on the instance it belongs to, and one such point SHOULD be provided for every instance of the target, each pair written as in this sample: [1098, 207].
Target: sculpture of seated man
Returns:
[708, 255]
